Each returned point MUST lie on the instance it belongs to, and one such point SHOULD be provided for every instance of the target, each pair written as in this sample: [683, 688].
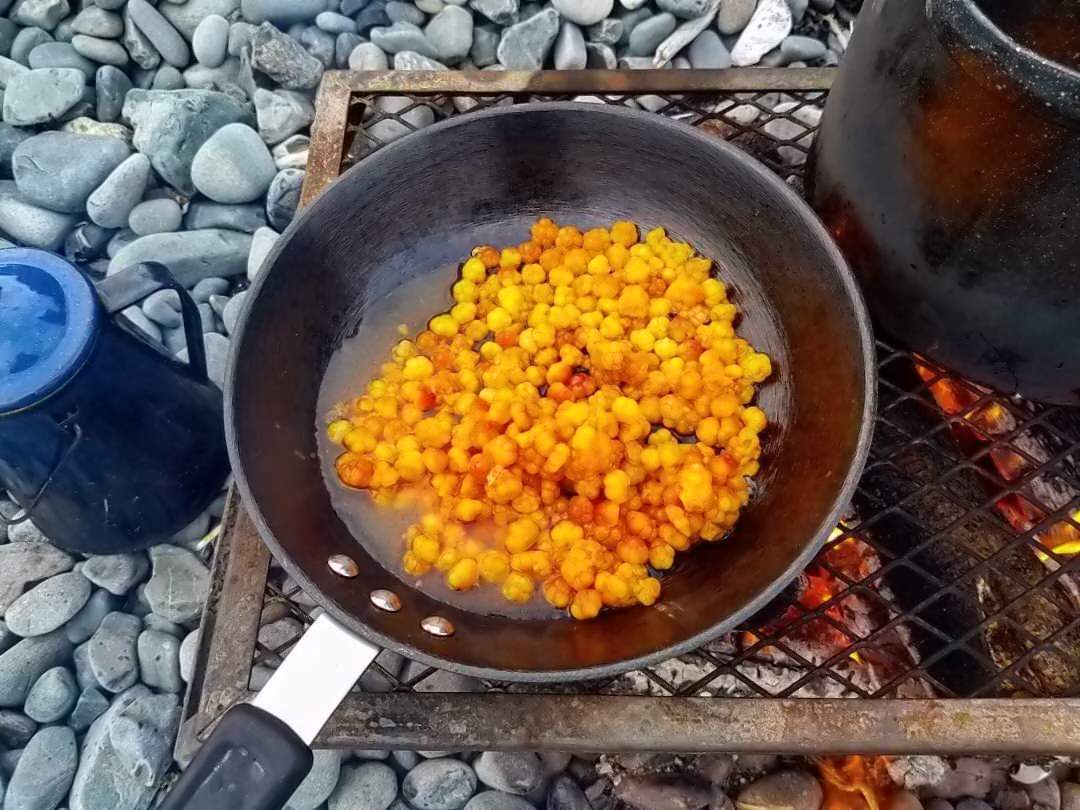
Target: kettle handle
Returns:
[25, 513]
[132, 284]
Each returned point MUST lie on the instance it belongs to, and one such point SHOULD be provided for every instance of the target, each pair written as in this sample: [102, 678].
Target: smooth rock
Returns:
[208, 287]
[233, 77]
[368, 56]
[584, 12]
[797, 790]
[261, 244]
[369, 786]
[283, 198]
[168, 78]
[9, 69]
[707, 52]
[319, 44]
[684, 9]
[52, 696]
[156, 216]
[8, 32]
[16, 729]
[62, 55]
[240, 36]
[185, 17]
[104, 51]
[189, 255]
[485, 45]
[232, 310]
[399, 11]
[334, 23]
[345, 44]
[42, 95]
[139, 48]
[126, 752]
[566, 794]
[500, 12]
[570, 48]
[10, 138]
[281, 12]
[497, 800]
[188, 648]
[450, 33]
[292, 153]
[101, 603]
[284, 59]
[608, 31]
[510, 772]
[180, 582]
[25, 42]
[734, 15]
[7, 638]
[47, 606]
[41, 13]
[525, 46]
[151, 621]
[768, 26]
[159, 661]
[233, 166]
[244, 218]
[86, 126]
[430, 6]
[282, 113]
[112, 651]
[163, 308]
[22, 564]
[373, 15]
[210, 42]
[144, 325]
[1045, 794]
[117, 573]
[162, 35]
[402, 36]
[25, 532]
[27, 661]
[171, 126]
[410, 60]
[84, 675]
[438, 784]
[89, 706]
[45, 771]
[112, 85]
[97, 22]
[600, 56]
[798, 9]
[319, 783]
[648, 34]
[801, 49]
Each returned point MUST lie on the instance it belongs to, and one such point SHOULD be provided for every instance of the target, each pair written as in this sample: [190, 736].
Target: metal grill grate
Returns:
[953, 576]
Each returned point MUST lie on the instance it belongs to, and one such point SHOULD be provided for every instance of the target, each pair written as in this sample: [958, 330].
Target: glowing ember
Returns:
[855, 783]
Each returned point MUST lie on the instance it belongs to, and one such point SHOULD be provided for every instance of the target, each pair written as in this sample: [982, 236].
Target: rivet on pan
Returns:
[386, 600]
[437, 626]
[343, 566]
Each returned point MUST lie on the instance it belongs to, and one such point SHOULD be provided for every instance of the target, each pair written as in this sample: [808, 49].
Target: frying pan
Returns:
[423, 203]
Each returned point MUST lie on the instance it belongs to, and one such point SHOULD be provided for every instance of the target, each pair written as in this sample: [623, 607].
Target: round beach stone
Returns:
[98, 22]
[233, 166]
[334, 23]
[320, 781]
[797, 790]
[101, 603]
[111, 202]
[584, 12]
[45, 771]
[47, 176]
[188, 649]
[281, 113]
[231, 313]
[510, 772]
[497, 800]
[707, 52]
[281, 12]
[500, 12]
[369, 786]
[801, 49]
[89, 706]
[159, 661]
[61, 55]
[204, 214]
[27, 661]
[47, 606]
[525, 46]
[402, 36]
[430, 6]
[25, 42]
[485, 45]
[52, 696]
[42, 95]
[41, 13]
[180, 582]
[104, 51]
[368, 56]
[283, 198]
[111, 85]
[155, 216]
[112, 653]
[163, 308]
[450, 33]
[570, 51]
[648, 34]
[734, 15]
[399, 11]
[262, 242]
[770, 23]
[116, 573]
[685, 9]
[439, 784]
[160, 32]
[211, 40]
[16, 729]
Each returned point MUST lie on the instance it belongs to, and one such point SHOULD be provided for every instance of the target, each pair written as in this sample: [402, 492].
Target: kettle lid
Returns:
[49, 317]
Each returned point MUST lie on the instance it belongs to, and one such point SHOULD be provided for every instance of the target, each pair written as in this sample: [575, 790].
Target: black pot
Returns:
[948, 169]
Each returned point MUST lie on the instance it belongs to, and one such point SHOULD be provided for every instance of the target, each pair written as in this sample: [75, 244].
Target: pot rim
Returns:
[1005, 64]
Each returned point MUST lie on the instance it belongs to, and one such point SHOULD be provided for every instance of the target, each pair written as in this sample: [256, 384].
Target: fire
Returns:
[855, 783]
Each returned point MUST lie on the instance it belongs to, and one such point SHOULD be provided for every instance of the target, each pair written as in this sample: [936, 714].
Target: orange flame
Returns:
[855, 783]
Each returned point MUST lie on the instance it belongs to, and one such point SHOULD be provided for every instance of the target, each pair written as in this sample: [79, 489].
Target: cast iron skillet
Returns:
[422, 203]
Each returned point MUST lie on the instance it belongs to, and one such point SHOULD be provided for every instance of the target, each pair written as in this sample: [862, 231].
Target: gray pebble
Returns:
[232, 311]
[89, 706]
[167, 77]
[438, 784]
[218, 304]
[97, 22]
[233, 166]
[202, 291]
[406, 759]
[33, 226]
[185, 17]
[344, 45]
[599, 56]
[570, 48]
[402, 36]
[112, 85]
[52, 696]
[163, 308]
[510, 772]
[84, 673]
[608, 31]
[282, 113]
[374, 14]
[261, 243]
[211, 40]
[281, 12]
[244, 218]
[7, 638]
[207, 318]
[584, 12]
[684, 9]
[648, 34]
[9, 761]
[430, 6]
[159, 661]
[41, 13]
[42, 95]
[45, 771]
[707, 52]
[410, 60]
[166, 39]
[8, 32]
[180, 582]
[566, 794]
[141, 50]
[155, 216]
[283, 198]
[188, 648]
[370, 786]
[319, 783]
[450, 33]
[320, 44]
[335, 23]
[47, 606]
[803, 49]
[9, 69]
[798, 790]
[497, 800]
[240, 36]
[27, 661]
[16, 729]
[525, 46]
[370, 754]
[734, 15]
[485, 45]
[25, 42]
[112, 652]
[500, 12]
[143, 325]
[399, 11]
[798, 9]
[101, 603]
[284, 59]
[117, 573]
[368, 56]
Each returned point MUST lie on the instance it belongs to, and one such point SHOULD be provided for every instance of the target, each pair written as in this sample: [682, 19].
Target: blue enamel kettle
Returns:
[107, 442]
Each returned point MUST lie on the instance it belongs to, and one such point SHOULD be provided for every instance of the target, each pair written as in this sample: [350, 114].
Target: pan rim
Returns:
[815, 542]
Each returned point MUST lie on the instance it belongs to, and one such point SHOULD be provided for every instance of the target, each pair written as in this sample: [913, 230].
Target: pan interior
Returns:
[418, 207]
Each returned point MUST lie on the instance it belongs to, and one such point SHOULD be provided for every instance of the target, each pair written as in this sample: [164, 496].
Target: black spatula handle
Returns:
[252, 761]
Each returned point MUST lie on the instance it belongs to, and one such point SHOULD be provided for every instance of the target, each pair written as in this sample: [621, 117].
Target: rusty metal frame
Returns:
[501, 720]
